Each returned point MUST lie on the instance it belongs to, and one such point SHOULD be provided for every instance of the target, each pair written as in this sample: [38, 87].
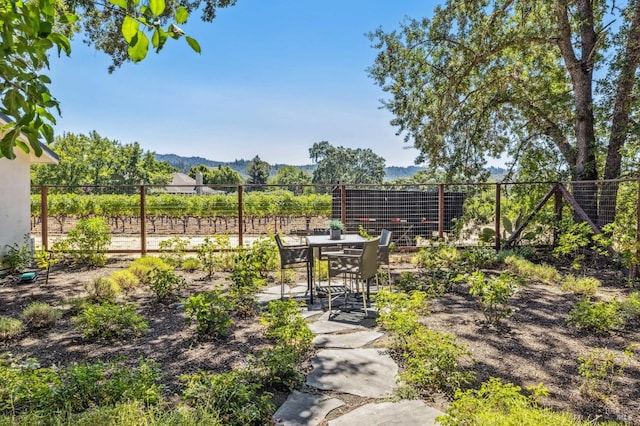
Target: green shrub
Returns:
[17, 257]
[276, 368]
[215, 254]
[526, 269]
[432, 361]
[87, 242]
[237, 399]
[286, 326]
[408, 281]
[598, 317]
[10, 327]
[498, 404]
[600, 370]
[473, 258]
[210, 311]
[27, 387]
[125, 279]
[585, 286]
[191, 264]
[265, 256]
[110, 321]
[172, 250]
[102, 289]
[164, 283]
[631, 306]
[142, 265]
[400, 312]
[494, 294]
[40, 315]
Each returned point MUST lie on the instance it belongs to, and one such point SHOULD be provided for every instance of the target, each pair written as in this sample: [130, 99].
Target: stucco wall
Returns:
[15, 204]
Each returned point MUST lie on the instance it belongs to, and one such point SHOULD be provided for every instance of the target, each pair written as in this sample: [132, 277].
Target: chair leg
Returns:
[282, 285]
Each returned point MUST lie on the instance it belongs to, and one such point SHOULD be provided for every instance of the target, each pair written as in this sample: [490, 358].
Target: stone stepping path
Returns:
[345, 364]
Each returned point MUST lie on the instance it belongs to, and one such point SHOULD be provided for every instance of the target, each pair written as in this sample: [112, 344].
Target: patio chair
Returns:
[356, 265]
[382, 255]
[291, 256]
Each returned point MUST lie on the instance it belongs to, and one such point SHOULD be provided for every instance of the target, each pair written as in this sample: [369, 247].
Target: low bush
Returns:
[494, 294]
[109, 321]
[234, 396]
[10, 327]
[17, 257]
[498, 404]
[598, 317]
[191, 264]
[29, 388]
[40, 315]
[102, 289]
[600, 369]
[400, 312]
[164, 283]
[210, 311]
[631, 306]
[125, 279]
[584, 286]
[286, 326]
[142, 265]
[172, 250]
[86, 243]
[529, 270]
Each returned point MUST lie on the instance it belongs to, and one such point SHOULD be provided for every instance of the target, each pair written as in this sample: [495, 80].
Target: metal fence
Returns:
[493, 214]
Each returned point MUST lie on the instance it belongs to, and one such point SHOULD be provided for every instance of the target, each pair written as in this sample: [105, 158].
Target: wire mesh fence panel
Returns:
[463, 214]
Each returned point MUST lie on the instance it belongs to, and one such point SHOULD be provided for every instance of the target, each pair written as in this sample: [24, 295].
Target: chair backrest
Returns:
[385, 238]
[279, 242]
[368, 259]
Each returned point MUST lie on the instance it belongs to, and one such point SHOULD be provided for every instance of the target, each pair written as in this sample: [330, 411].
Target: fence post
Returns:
[634, 269]
[557, 206]
[143, 219]
[498, 217]
[343, 203]
[240, 218]
[44, 216]
[440, 211]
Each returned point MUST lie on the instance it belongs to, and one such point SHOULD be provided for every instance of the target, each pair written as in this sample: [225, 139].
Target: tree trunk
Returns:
[581, 72]
[620, 121]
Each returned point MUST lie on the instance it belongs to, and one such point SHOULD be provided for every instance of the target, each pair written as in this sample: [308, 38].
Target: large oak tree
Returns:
[548, 82]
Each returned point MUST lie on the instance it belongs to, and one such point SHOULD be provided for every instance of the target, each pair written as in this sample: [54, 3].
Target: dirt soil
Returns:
[534, 345]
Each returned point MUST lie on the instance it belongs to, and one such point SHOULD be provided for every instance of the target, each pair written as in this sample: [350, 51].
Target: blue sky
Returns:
[273, 78]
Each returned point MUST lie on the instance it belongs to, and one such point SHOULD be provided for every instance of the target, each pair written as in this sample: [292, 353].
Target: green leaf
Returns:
[194, 44]
[138, 51]
[181, 15]
[159, 38]
[129, 28]
[157, 7]
[120, 3]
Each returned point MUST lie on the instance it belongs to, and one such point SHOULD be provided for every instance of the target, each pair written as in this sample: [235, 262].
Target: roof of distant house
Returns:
[182, 183]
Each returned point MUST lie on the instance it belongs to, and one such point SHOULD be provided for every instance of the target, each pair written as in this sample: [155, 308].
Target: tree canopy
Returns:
[30, 31]
[552, 84]
[94, 160]
[257, 171]
[345, 165]
[221, 175]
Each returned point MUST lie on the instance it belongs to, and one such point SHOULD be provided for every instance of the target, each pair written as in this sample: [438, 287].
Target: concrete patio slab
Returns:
[402, 413]
[305, 409]
[363, 372]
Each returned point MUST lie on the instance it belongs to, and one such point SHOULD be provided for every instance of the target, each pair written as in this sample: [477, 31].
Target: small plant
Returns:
[585, 286]
[215, 255]
[141, 266]
[164, 283]
[573, 237]
[600, 369]
[172, 250]
[102, 289]
[527, 269]
[408, 281]
[264, 254]
[494, 295]
[210, 311]
[276, 368]
[336, 225]
[191, 264]
[87, 242]
[631, 306]
[286, 326]
[400, 312]
[125, 279]
[110, 321]
[10, 327]
[18, 257]
[598, 317]
[40, 315]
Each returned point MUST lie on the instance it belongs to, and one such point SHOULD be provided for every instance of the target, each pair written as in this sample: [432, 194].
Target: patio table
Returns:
[320, 241]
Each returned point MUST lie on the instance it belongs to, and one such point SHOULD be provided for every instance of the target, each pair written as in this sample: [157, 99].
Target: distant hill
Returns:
[183, 164]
